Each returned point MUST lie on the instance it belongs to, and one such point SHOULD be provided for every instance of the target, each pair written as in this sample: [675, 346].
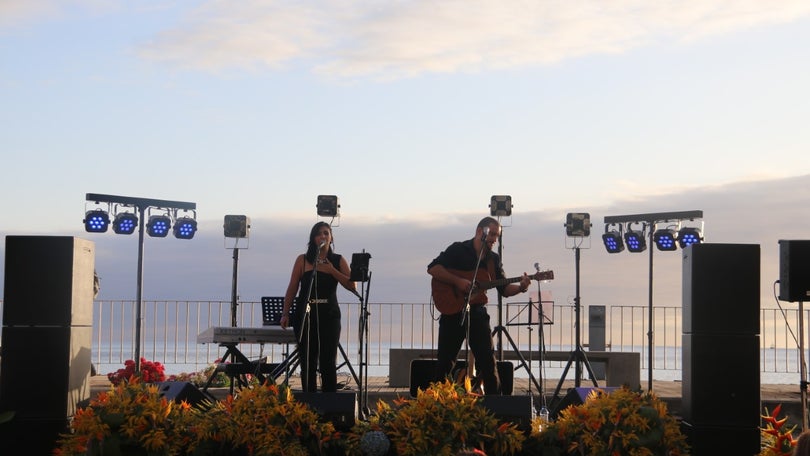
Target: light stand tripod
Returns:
[360, 273]
[578, 355]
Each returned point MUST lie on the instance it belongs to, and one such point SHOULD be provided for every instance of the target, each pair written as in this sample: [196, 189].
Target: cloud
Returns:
[405, 39]
[19, 13]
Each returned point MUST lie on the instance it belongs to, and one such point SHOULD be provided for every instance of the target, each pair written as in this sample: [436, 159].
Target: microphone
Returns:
[537, 267]
[485, 233]
[321, 245]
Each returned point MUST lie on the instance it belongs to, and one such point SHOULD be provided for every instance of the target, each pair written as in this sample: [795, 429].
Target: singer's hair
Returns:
[312, 246]
[486, 221]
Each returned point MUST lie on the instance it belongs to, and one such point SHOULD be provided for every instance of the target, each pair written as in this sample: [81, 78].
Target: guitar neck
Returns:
[499, 282]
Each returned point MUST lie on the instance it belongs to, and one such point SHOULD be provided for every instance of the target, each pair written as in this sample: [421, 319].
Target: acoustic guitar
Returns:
[450, 301]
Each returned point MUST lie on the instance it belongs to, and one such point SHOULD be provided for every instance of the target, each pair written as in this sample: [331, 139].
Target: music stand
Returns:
[360, 273]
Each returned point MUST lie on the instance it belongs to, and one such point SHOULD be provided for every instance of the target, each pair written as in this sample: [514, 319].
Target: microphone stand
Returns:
[305, 325]
[465, 318]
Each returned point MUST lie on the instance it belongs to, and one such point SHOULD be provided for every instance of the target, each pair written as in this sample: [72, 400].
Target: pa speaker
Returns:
[514, 409]
[794, 270]
[722, 439]
[48, 281]
[340, 408]
[578, 396]
[183, 391]
[721, 289]
[423, 373]
[721, 380]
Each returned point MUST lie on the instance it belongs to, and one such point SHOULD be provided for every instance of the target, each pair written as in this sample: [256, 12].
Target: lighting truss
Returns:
[500, 206]
[664, 240]
[125, 222]
[636, 240]
[613, 238]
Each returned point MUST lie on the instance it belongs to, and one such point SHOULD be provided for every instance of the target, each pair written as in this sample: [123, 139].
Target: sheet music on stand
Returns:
[531, 314]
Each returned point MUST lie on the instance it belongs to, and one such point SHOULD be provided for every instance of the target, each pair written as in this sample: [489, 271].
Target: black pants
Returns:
[452, 334]
[318, 339]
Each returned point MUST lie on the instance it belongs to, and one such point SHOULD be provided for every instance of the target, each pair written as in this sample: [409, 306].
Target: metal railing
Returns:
[170, 330]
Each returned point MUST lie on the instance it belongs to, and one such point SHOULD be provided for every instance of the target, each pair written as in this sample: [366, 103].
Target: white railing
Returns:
[170, 330]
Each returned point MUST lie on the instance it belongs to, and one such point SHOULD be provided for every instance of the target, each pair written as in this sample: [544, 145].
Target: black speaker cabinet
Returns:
[48, 281]
[183, 391]
[794, 270]
[513, 409]
[577, 396]
[423, 372]
[721, 285]
[721, 380]
[722, 439]
[45, 370]
[32, 436]
[340, 408]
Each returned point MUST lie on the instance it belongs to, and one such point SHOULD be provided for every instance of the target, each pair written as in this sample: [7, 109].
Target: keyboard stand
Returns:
[237, 369]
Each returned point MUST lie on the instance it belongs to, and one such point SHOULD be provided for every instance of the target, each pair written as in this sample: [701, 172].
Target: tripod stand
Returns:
[360, 273]
[577, 356]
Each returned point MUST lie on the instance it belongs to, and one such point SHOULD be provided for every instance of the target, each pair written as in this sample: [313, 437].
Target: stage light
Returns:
[578, 224]
[613, 239]
[688, 236]
[96, 221]
[125, 223]
[184, 228]
[665, 239]
[500, 206]
[636, 240]
[237, 226]
[158, 225]
[328, 206]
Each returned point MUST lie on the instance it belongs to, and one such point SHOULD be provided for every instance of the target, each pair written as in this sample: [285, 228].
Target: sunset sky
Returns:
[414, 114]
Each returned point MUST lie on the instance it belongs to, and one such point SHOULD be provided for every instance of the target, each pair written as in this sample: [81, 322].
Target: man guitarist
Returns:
[456, 271]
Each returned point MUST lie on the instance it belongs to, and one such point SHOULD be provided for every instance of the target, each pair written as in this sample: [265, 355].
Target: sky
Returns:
[414, 114]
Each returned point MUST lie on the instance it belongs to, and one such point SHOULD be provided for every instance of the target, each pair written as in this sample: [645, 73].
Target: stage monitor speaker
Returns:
[721, 376]
[423, 373]
[48, 281]
[794, 270]
[340, 408]
[577, 396]
[513, 409]
[184, 391]
[721, 289]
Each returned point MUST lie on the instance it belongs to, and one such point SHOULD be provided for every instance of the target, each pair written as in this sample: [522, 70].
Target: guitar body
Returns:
[450, 301]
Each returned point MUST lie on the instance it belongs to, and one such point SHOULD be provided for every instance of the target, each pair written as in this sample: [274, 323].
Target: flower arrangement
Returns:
[132, 415]
[622, 422]
[444, 419]
[151, 371]
[777, 437]
[220, 379]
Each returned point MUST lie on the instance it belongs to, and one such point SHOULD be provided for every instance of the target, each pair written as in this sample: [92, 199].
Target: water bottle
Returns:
[544, 418]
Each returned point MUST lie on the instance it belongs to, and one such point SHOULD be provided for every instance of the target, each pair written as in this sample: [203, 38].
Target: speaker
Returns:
[45, 370]
[48, 281]
[423, 373]
[513, 409]
[183, 391]
[32, 436]
[721, 289]
[721, 380]
[722, 439]
[794, 270]
[577, 396]
[340, 408]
